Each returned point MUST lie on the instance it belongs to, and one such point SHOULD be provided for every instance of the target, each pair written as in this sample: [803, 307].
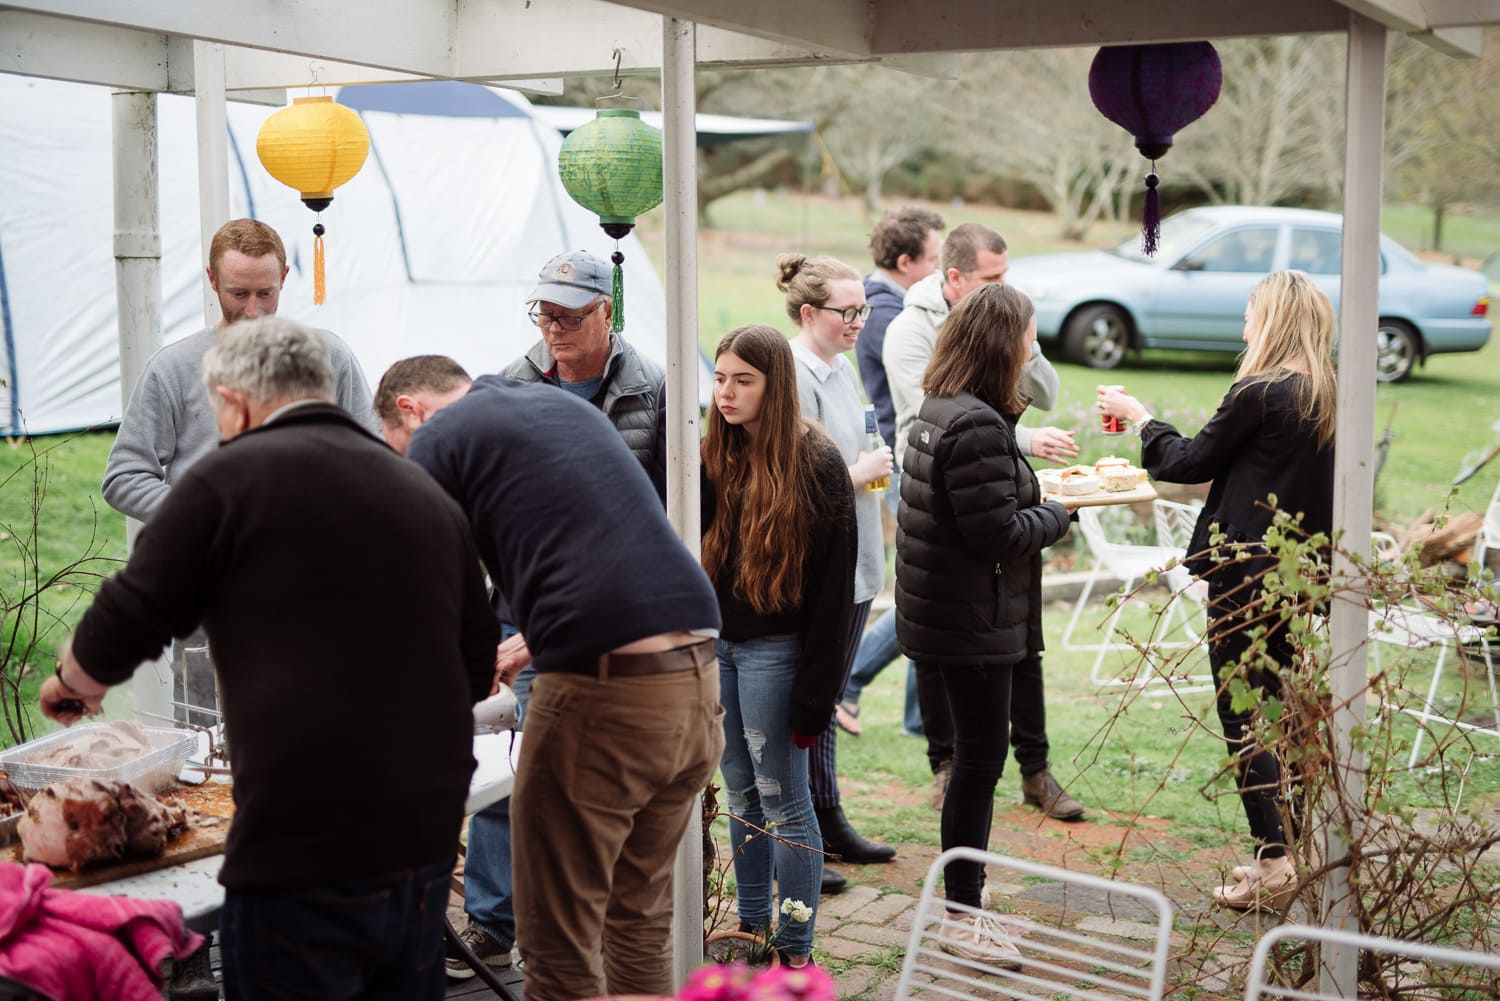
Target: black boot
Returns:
[832, 882]
[843, 841]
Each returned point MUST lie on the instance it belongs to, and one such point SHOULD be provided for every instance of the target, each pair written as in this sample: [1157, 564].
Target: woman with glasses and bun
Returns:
[826, 299]
[778, 543]
[1268, 447]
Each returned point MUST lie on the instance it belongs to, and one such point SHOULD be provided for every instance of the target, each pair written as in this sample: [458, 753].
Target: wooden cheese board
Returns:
[210, 807]
[1143, 493]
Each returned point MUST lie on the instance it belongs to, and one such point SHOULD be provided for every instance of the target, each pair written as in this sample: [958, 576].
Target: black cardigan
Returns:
[1255, 446]
[822, 619]
[971, 530]
[345, 608]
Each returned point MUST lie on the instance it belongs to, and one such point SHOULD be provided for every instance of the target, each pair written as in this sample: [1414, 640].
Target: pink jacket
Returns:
[79, 947]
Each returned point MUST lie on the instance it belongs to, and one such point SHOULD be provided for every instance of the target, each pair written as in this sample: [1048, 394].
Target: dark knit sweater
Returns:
[567, 521]
[345, 608]
[822, 617]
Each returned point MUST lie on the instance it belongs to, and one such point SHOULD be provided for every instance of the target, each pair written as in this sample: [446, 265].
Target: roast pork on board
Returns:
[71, 824]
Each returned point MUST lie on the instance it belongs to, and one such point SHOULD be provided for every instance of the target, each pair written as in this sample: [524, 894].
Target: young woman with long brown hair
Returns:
[1271, 438]
[972, 527]
[778, 543]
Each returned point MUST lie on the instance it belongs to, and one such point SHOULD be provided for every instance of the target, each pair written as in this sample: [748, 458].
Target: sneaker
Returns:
[980, 937]
[1042, 791]
[489, 951]
[940, 784]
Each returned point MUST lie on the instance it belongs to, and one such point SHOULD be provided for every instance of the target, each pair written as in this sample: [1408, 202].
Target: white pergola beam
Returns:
[413, 36]
[58, 49]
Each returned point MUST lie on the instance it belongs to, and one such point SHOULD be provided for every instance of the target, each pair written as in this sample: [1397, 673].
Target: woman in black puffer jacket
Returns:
[972, 527]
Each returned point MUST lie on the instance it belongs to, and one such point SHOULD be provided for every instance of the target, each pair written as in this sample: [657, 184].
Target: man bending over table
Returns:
[346, 692]
[624, 726]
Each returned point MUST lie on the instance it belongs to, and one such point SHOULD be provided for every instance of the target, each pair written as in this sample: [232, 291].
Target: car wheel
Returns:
[1396, 350]
[1097, 336]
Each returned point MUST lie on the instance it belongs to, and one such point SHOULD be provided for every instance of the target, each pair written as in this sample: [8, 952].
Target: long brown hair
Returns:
[982, 348]
[1295, 318]
[764, 484]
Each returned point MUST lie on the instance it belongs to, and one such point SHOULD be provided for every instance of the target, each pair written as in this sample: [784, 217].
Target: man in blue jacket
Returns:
[623, 727]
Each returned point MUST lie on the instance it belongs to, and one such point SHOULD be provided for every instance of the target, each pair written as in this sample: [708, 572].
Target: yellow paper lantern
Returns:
[313, 147]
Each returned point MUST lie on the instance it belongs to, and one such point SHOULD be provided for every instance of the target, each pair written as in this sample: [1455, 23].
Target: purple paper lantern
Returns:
[1152, 91]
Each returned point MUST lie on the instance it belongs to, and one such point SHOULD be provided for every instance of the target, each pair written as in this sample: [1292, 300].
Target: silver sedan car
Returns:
[1192, 294]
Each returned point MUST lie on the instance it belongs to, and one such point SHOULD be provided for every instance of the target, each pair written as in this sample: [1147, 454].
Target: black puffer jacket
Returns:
[970, 538]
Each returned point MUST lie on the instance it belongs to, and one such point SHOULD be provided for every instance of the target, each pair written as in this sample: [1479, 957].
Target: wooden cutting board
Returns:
[210, 808]
[1102, 498]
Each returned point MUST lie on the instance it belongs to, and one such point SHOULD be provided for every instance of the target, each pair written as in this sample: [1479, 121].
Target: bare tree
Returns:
[1028, 115]
[888, 118]
[1265, 140]
[1443, 126]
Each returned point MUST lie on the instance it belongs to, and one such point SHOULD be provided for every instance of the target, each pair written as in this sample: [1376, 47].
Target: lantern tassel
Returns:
[618, 291]
[320, 282]
[1151, 215]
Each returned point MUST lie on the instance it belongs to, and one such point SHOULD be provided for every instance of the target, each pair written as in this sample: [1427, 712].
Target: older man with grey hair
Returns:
[284, 543]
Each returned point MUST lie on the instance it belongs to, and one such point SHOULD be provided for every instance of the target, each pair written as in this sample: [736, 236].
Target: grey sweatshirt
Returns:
[909, 342]
[169, 422]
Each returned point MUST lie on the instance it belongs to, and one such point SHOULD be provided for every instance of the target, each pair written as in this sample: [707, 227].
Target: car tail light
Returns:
[1482, 307]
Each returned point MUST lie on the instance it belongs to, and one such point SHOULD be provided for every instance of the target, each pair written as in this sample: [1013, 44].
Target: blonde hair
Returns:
[805, 280]
[1295, 320]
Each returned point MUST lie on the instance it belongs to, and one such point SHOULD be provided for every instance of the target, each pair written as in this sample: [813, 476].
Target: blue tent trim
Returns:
[13, 371]
[450, 98]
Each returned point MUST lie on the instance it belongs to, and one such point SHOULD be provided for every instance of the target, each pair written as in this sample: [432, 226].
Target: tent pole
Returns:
[680, 191]
[137, 247]
[213, 156]
[1353, 489]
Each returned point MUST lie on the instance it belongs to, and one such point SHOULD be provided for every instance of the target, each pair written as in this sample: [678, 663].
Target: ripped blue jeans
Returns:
[765, 787]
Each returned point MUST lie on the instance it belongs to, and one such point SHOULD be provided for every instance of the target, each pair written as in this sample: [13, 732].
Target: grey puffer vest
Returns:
[634, 398]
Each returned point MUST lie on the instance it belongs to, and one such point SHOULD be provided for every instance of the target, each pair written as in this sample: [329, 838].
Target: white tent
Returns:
[432, 247]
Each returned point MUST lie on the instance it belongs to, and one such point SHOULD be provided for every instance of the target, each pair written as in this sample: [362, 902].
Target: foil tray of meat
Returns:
[121, 751]
[79, 822]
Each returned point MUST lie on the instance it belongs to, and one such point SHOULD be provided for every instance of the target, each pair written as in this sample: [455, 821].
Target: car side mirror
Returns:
[1188, 264]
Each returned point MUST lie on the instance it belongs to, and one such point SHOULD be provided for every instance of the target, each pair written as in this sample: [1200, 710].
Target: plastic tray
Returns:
[151, 772]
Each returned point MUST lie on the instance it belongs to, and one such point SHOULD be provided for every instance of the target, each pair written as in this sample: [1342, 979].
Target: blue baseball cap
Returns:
[573, 280]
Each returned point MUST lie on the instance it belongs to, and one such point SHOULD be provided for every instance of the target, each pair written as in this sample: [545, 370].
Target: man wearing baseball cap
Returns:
[571, 304]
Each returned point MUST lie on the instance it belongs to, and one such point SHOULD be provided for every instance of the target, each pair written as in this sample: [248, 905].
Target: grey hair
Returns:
[270, 359]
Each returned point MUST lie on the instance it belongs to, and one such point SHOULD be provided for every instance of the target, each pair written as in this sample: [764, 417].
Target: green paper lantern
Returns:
[612, 167]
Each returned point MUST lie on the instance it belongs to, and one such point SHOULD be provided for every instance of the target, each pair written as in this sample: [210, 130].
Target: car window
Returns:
[1178, 233]
[1316, 251]
[1242, 250]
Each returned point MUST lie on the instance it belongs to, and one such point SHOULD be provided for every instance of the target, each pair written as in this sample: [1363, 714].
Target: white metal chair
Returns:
[1406, 623]
[1129, 563]
[1438, 971]
[1489, 532]
[1075, 963]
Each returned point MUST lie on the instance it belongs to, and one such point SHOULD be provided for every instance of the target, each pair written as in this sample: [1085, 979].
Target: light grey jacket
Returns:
[169, 421]
[909, 341]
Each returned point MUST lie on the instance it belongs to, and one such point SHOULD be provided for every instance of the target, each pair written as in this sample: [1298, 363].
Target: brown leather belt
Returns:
[693, 657]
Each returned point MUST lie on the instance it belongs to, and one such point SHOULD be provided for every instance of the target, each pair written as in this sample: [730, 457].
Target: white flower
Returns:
[796, 910]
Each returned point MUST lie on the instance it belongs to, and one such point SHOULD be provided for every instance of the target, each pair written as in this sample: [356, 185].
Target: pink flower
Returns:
[717, 983]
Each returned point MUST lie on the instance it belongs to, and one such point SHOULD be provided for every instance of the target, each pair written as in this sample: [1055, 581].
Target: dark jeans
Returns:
[368, 939]
[1257, 771]
[979, 700]
[1028, 716]
[822, 761]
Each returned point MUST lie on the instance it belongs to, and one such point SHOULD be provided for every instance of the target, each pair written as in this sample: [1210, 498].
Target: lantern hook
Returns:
[618, 55]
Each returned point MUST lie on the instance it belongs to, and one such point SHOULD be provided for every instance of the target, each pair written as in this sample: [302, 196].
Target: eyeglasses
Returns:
[849, 313]
[569, 323]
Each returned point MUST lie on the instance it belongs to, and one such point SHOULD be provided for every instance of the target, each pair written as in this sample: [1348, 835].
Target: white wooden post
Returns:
[1354, 477]
[137, 247]
[680, 191]
[213, 156]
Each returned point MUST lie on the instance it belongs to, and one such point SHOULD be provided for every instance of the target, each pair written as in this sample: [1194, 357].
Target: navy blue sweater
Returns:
[566, 520]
